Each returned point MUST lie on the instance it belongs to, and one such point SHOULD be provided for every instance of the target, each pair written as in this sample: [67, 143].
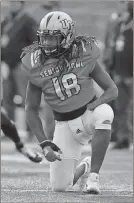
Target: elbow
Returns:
[115, 92]
[30, 111]
[27, 110]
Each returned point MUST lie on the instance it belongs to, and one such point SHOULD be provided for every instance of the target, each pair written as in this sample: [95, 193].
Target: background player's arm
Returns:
[103, 79]
[33, 99]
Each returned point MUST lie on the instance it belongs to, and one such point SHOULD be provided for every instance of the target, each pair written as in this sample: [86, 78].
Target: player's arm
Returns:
[32, 104]
[103, 79]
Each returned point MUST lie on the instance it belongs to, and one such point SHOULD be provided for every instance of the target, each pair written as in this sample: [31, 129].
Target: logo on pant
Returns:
[78, 131]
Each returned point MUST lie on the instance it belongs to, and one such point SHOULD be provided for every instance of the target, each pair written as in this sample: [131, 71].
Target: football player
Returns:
[63, 66]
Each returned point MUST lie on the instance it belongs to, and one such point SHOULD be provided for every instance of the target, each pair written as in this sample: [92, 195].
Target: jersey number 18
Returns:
[70, 85]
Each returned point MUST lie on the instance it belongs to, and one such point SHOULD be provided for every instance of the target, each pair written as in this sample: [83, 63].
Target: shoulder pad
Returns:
[92, 49]
[31, 60]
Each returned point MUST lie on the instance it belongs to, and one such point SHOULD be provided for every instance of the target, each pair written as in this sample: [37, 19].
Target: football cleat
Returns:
[84, 177]
[92, 184]
[32, 156]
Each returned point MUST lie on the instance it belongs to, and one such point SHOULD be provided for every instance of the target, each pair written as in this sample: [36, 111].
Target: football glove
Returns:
[50, 150]
[33, 156]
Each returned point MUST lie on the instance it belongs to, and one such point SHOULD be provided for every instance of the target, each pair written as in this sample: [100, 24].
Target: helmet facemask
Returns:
[51, 44]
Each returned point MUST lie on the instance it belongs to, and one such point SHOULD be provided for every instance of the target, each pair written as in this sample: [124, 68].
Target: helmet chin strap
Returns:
[58, 54]
[57, 51]
[52, 51]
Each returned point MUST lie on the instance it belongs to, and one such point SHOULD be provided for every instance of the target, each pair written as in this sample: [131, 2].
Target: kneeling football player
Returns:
[62, 67]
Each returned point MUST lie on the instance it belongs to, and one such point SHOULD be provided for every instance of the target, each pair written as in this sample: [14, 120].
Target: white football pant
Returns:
[70, 137]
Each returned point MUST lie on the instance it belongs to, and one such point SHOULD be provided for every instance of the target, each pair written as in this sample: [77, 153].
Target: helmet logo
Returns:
[67, 24]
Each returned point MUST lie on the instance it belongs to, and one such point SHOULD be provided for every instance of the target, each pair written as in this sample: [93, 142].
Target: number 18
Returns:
[68, 86]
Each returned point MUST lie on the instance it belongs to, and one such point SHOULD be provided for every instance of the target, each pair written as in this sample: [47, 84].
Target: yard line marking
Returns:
[49, 190]
[44, 170]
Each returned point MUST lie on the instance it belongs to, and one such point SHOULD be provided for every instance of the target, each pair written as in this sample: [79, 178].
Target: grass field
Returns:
[24, 181]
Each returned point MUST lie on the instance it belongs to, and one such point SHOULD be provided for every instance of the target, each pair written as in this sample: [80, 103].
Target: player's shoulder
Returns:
[86, 47]
[90, 48]
[30, 60]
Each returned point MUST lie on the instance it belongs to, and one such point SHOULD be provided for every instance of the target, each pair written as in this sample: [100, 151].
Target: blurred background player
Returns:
[15, 34]
[124, 80]
[19, 30]
[118, 59]
[9, 129]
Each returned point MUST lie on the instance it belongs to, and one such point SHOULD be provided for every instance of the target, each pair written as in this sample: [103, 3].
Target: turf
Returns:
[24, 181]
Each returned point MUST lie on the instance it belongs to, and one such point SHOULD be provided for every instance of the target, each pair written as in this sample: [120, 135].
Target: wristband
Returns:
[49, 143]
[45, 143]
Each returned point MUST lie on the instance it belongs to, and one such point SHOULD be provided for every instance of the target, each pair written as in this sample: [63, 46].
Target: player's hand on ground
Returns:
[51, 151]
[51, 155]
[35, 157]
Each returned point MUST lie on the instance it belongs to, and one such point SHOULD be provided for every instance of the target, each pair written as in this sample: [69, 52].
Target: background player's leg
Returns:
[10, 130]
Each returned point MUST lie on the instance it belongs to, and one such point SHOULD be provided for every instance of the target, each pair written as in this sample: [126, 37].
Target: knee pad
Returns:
[104, 116]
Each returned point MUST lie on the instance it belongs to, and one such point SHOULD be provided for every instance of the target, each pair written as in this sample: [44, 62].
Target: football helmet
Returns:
[57, 26]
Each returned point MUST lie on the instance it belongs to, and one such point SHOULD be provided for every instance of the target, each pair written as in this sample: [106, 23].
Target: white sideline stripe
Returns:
[26, 171]
[11, 158]
[29, 172]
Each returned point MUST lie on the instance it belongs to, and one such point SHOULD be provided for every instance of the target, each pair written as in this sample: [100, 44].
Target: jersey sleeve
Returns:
[26, 63]
[29, 61]
[93, 53]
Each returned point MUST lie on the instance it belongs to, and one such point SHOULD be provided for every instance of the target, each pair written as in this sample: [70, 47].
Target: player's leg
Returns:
[62, 172]
[9, 129]
[81, 173]
[123, 111]
[83, 137]
[102, 118]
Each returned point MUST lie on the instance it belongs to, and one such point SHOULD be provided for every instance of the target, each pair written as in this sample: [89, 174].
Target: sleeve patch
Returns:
[34, 57]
